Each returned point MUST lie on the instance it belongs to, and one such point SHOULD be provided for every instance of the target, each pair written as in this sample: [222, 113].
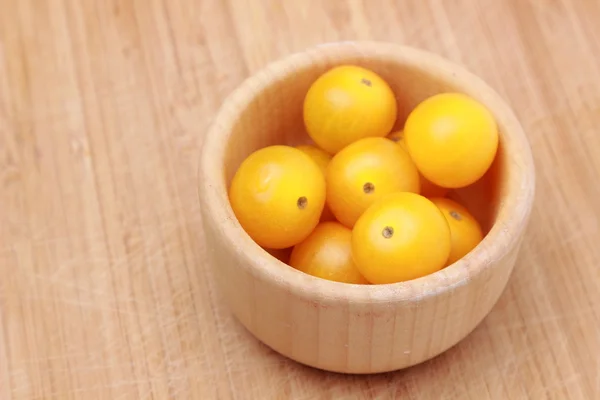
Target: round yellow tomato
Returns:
[348, 103]
[428, 188]
[327, 253]
[278, 194]
[452, 138]
[401, 237]
[322, 159]
[365, 171]
[465, 231]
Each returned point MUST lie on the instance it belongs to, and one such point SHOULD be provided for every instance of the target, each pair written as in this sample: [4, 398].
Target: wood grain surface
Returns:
[104, 292]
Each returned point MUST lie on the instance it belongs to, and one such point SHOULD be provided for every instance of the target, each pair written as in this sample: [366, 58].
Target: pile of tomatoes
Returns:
[364, 204]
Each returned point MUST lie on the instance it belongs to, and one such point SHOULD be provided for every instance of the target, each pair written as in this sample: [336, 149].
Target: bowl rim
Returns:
[502, 238]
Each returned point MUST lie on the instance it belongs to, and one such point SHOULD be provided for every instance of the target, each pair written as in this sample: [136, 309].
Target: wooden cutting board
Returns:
[104, 288]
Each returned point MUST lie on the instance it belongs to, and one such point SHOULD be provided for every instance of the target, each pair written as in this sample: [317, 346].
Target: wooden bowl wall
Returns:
[359, 328]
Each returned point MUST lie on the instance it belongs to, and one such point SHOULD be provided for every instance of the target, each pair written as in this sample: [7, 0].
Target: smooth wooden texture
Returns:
[359, 328]
[105, 293]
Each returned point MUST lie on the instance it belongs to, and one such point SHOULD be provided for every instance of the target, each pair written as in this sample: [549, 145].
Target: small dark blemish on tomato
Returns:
[367, 82]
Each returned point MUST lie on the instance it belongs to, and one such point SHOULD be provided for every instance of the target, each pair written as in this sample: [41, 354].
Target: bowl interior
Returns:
[267, 110]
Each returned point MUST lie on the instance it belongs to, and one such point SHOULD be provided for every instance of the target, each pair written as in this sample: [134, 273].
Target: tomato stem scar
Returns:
[455, 215]
[302, 202]
[387, 232]
[368, 188]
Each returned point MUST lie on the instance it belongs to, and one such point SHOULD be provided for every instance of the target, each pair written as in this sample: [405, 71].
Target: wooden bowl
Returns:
[359, 328]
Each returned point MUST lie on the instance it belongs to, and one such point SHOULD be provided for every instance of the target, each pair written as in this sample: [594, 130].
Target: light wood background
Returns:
[104, 291]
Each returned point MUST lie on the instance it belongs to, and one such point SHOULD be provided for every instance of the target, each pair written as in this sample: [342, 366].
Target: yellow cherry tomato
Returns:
[348, 103]
[327, 253]
[401, 237]
[465, 231]
[428, 188]
[452, 138]
[364, 172]
[322, 158]
[278, 194]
